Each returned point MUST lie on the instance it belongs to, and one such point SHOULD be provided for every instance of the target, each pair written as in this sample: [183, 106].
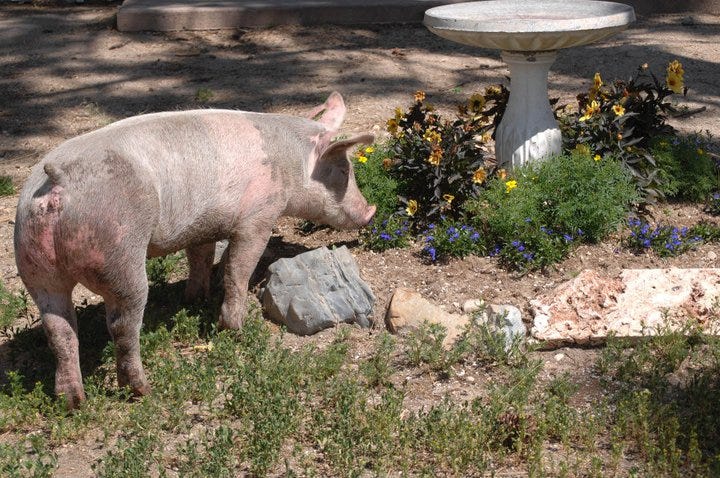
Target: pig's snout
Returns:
[369, 213]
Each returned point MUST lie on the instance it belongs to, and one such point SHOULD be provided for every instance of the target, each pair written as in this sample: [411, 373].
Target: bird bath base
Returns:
[528, 130]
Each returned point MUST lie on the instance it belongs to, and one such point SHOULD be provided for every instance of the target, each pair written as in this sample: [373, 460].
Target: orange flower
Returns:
[419, 96]
[479, 176]
[674, 78]
[435, 156]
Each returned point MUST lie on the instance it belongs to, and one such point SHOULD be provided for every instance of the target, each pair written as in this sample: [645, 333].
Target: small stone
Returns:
[508, 319]
[712, 255]
[559, 357]
[472, 305]
[408, 310]
[470, 379]
[688, 21]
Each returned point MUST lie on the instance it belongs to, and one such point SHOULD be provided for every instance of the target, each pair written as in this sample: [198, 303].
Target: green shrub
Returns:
[6, 186]
[534, 218]
[371, 165]
[440, 164]
[621, 119]
[685, 170]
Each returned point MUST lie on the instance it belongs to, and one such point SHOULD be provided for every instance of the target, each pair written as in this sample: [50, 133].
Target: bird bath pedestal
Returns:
[528, 32]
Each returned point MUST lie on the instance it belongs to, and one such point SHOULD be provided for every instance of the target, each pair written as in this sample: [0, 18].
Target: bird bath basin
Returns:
[528, 32]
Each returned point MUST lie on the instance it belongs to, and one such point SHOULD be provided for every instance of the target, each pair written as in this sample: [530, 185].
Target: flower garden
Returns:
[435, 182]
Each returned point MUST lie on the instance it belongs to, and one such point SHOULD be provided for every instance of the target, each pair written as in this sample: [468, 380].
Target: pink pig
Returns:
[97, 206]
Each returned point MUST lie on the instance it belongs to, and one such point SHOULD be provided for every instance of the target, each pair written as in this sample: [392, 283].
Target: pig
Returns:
[98, 205]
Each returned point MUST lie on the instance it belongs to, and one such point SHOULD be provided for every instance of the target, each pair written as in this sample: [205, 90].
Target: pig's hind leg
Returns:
[125, 297]
[60, 324]
[200, 259]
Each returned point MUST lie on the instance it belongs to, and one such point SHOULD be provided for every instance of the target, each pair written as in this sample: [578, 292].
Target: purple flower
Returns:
[567, 237]
[432, 253]
[385, 236]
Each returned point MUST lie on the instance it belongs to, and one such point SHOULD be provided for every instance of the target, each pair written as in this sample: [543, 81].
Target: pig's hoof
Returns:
[73, 395]
[141, 391]
[230, 324]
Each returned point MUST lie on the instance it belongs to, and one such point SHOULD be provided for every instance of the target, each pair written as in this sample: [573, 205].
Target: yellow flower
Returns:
[510, 185]
[479, 176]
[618, 110]
[432, 136]
[369, 150]
[700, 151]
[435, 156]
[502, 174]
[597, 157]
[590, 110]
[674, 78]
[449, 198]
[362, 159]
[485, 137]
[412, 207]
[493, 90]
[387, 163]
[392, 126]
[476, 102]
[597, 81]
[583, 149]
[419, 96]
[398, 114]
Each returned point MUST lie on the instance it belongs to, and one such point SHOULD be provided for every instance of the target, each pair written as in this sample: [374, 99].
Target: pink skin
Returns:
[98, 205]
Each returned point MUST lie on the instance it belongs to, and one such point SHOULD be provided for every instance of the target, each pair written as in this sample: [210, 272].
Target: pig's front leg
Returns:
[243, 253]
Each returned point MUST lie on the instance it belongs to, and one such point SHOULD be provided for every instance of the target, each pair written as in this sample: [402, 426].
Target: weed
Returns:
[133, 457]
[12, 307]
[28, 458]
[159, 269]
[378, 368]
[204, 95]
[212, 454]
[6, 186]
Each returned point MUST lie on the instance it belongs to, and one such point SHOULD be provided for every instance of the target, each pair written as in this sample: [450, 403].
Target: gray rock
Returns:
[508, 320]
[317, 290]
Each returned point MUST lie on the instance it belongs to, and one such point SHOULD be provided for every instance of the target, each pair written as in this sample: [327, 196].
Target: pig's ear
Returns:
[338, 150]
[331, 113]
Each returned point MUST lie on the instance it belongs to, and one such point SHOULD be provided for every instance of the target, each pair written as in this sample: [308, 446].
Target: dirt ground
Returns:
[66, 71]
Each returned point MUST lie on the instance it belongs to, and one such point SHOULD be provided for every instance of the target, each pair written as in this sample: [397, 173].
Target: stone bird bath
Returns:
[528, 32]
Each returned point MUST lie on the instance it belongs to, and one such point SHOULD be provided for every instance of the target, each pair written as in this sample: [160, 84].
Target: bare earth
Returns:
[68, 71]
